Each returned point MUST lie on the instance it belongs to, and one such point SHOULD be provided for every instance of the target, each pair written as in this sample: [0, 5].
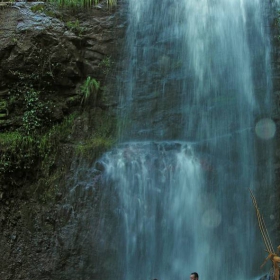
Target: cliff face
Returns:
[53, 107]
[52, 52]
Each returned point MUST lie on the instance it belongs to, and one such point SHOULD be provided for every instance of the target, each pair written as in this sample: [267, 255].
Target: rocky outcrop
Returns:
[54, 53]
[46, 55]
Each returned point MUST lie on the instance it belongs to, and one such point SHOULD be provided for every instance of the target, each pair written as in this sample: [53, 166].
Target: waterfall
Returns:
[194, 111]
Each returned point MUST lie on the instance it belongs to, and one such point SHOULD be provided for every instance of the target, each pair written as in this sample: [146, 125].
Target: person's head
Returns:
[194, 276]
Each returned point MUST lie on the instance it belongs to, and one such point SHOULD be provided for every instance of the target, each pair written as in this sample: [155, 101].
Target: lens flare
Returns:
[265, 129]
[211, 218]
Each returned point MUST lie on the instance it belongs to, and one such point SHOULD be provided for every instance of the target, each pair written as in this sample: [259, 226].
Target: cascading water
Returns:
[195, 97]
[158, 221]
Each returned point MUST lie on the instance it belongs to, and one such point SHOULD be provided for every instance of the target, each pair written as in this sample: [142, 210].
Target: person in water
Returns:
[194, 276]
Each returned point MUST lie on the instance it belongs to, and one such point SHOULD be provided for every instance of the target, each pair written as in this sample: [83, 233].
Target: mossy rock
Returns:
[38, 8]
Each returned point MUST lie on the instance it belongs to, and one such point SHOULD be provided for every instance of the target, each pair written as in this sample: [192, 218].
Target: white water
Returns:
[182, 201]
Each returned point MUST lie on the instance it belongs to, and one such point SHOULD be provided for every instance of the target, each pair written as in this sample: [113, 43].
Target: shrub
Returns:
[24, 155]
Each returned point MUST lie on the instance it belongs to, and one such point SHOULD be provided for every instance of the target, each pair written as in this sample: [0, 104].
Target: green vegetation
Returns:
[38, 8]
[102, 138]
[31, 153]
[42, 8]
[106, 64]
[28, 97]
[21, 153]
[89, 88]
[28, 156]
[83, 3]
[112, 3]
[12, 139]
[95, 146]
[75, 27]
[37, 113]
[48, 145]
[16, 152]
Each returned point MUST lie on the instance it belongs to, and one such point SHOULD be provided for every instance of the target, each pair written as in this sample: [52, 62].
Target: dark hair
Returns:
[195, 274]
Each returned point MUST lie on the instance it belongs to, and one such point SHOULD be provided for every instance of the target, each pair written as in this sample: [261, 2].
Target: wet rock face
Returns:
[45, 233]
[50, 239]
[274, 198]
[53, 52]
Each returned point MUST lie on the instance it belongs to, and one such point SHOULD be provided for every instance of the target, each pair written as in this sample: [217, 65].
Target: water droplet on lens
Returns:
[211, 218]
[265, 128]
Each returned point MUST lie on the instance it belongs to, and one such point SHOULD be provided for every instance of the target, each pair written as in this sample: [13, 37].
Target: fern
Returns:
[89, 87]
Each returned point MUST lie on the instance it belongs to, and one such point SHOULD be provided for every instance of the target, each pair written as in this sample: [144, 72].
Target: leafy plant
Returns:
[106, 65]
[17, 153]
[89, 88]
[75, 27]
[20, 153]
[36, 114]
[31, 121]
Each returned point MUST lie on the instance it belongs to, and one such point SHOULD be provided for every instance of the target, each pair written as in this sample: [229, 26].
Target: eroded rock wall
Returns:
[46, 55]
[54, 51]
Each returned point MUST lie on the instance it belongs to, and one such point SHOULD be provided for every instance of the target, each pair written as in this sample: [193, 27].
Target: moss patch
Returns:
[102, 137]
[21, 156]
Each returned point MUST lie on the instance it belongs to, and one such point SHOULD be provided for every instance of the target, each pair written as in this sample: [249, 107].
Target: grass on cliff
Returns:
[101, 139]
[49, 143]
[83, 3]
[29, 153]
[89, 88]
[36, 154]
[12, 140]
